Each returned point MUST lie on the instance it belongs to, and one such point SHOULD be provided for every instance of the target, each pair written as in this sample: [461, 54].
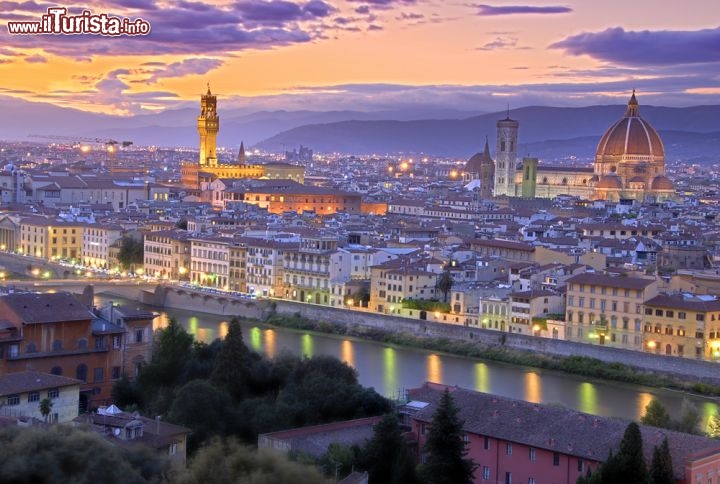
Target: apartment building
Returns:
[310, 269]
[54, 333]
[21, 393]
[684, 325]
[96, 241]
[50, 239]
[167, 254]
[513, 441]
[607, 310]
[238, 265]
[210, 261]
[399, 279]
[526, 305]
[266, 266]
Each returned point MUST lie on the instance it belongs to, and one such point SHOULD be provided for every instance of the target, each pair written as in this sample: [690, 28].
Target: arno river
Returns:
[390, 370]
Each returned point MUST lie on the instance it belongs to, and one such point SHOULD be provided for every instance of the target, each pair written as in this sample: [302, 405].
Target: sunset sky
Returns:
[371, 54]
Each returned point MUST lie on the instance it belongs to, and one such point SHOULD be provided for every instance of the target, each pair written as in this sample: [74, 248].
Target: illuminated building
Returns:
[194, 175]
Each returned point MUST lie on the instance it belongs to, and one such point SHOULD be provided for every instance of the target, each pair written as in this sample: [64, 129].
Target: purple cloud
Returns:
[36, 59]
[410, 16]
[520, 9]
[384, 3]
[374, 28]
[363, 10]
[185, 68]
[663, 47]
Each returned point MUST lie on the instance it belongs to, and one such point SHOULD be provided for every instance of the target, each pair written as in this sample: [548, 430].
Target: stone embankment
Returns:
[172, 297]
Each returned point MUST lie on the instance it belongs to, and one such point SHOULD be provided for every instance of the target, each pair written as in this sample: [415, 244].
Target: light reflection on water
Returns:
[390, 370]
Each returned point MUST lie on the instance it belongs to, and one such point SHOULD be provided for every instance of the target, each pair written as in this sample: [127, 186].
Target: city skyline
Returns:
[369, 55]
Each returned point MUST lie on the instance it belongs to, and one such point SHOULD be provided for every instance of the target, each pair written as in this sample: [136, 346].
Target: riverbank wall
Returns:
[692, 370]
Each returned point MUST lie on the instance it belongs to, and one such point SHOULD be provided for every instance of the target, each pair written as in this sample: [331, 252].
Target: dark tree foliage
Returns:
[182, 224]
[233, 363]
[338, 462]
[227, 461]
[64, 454]
[628, 465]
[386, 456]
[445, 283]
[446, 462]
[131, 252]
[656, 415]
[206, 409]
[125, 393]
[689, 421]
[661, 469]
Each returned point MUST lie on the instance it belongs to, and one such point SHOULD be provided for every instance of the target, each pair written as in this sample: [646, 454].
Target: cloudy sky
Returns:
[370, 54]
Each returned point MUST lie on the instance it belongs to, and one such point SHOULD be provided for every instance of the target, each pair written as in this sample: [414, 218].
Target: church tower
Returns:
[208, 124]
[506, 156]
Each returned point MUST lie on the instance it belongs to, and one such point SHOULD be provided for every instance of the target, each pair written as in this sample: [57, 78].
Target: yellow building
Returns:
[607, 310]
[683, 325]
[208, 167]
[50, 239]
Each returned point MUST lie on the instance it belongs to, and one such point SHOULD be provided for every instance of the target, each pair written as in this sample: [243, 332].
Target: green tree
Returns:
[628, 465]
[661, 469]
[362, 296]
[46, 406]
[204, 408]
[233, 363]
[714, 427]
[689, 421]
[172, 349]
[131, 252]
[386, 456]
[656, 415]
[66, 454]
[445, 283]
[227, 462]
[446, 462]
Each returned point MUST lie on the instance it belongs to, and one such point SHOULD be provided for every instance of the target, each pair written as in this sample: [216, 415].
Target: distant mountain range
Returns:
[546, 132]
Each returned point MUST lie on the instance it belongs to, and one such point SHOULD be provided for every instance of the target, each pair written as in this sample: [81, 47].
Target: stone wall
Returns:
[185, 299]
[693, 369]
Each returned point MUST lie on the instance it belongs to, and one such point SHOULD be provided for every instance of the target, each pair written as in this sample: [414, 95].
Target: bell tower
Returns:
[208, 124]
[506, 156]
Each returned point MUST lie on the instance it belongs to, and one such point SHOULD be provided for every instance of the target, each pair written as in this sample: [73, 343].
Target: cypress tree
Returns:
[446, 449]
[232, 366]
[387, 457]
[661, 469]
[628, 465]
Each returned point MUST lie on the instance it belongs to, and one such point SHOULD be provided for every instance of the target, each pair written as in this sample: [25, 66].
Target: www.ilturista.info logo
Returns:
[57, 21]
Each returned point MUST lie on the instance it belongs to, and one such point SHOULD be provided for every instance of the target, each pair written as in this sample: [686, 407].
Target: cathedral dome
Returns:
[479, 160]
[631, 137]
[610, 182]
[662, 183]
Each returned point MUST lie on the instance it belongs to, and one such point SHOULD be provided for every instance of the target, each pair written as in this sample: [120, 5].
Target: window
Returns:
[13, 400]
[648, 311]
[81, 372]
[33, 397]
[556, 458]
[699, 317]
[115, 372]
[486, 442]
[56, 370]
[508, 478]
[580, 465]
[53, 393]
[486, 473]
[139, 335]
[508, 448]
[100, 343]
[531, 480]
[681, 315]
[172, 450]
[532, 454]
[98, 375]
[116, 342]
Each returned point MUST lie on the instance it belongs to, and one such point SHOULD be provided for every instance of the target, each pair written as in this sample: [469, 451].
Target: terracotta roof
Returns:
[688, 302]
[31, 381]
[556, 428]
[33, 307]
[595, 279]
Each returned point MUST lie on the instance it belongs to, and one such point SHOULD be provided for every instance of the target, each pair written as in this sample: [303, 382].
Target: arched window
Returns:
[82, 343]
[57, 345]
[31, 348]
[564, 181]
[56, 370]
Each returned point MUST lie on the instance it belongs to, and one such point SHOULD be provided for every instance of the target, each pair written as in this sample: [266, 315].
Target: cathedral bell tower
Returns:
[506, 156]
[208, 124]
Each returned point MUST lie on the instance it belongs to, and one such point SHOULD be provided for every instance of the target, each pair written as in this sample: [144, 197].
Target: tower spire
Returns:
[241, 159]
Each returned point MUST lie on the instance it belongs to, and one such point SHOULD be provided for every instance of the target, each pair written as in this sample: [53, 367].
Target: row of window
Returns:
[604, 290]
[13, 400]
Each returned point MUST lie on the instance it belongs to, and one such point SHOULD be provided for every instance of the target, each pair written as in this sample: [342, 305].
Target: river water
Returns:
[391, 370]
